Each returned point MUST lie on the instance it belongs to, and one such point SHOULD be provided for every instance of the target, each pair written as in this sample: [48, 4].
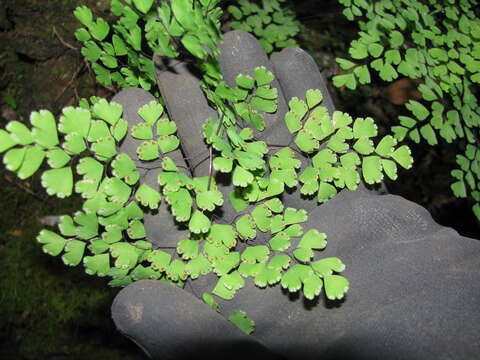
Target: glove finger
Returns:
[162, 229]
[412, 282]
[297, 72]
[168, 323]
[179, 85]
[241, 53]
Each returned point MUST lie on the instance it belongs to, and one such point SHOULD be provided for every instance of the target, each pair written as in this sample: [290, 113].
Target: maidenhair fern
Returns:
[437, 42]
[108, 234]
[164, 28]
[271, 21]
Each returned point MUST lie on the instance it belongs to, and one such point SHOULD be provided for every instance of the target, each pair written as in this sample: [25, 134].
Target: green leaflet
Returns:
[261, 216]
[199, 223]
[147, 196]
[208, 200]
[44, 128]
[350, 160]
[293, 216]
[74, 250]
[386, 146]
[222, 164]
[99, 29]
[97, 264]
[98, 130]
[279, 262]
[109, 112]
[176, 270]
[292, 279]
[241, 177]
[142, 273]
[245, 81]
[168, 164]
[75, 120]
[306, 141]
[19, 133]
[6, 141]
[143, 5]
[325, 192]
[181, 204]
[222, 234]
[98, 246]
[345, 64]
[403, 156]
[294, 230]
[237, 201]
[327, 266]
[347, 80]
[275, 205]
[104, 148]
[58, 182]
[168, 143]
[57, 158]
[372, 169]
[263, 76]
[364, 128]
[245, 226]
[224, 264]
[32, 160]
[148, 150]
[242, 321]
[198, 266]
[159, 260]
[87, 225]
[228, 285]
[142, 131]
[53, 244]
[136, 230]
[298, 107]
[267, 275]
[210, 301]
[335, 286]
[123, 166]
[125, 254]
[253, 254]
[166, 127]
[280, 242]
[66, 226]
[312, 285]
[74, 144]
[303, 254]
[84, 15]
[313, 239]
[215, 251]
[188, 249]
[293, 121]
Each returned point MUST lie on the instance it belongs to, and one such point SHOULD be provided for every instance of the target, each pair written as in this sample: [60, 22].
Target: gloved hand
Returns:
[414, 285]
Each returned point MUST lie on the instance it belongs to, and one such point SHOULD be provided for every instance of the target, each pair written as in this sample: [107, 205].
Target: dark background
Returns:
[49, 311]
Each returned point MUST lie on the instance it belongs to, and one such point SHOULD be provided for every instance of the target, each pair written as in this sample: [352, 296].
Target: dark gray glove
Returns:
[415, 289]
